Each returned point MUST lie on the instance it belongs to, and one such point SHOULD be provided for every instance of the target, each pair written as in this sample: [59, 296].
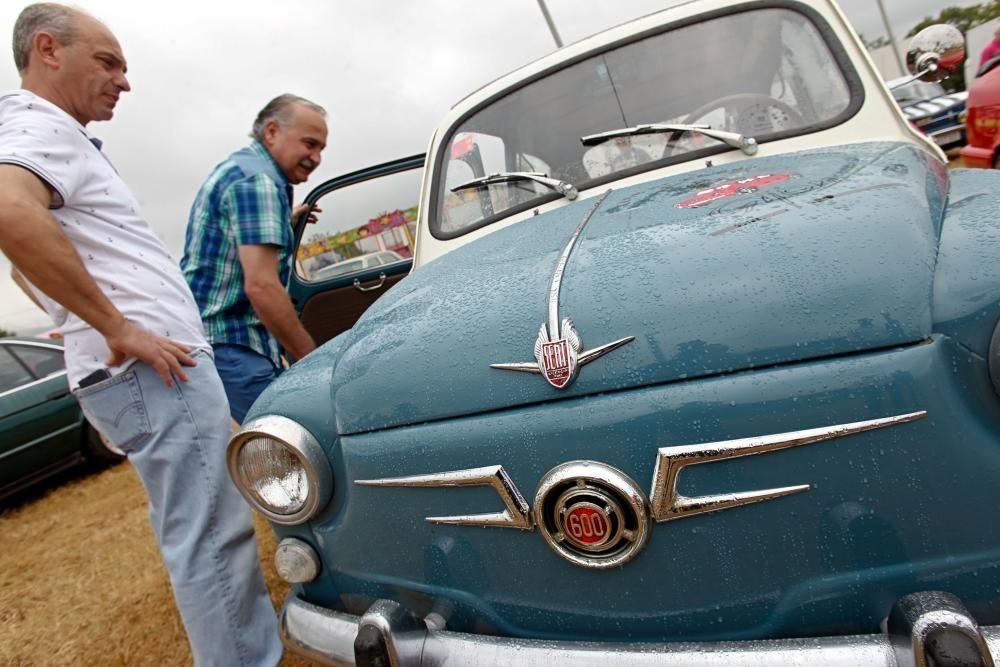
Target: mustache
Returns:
[308, 164]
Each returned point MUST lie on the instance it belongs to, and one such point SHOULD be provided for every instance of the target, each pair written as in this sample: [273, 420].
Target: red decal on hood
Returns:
[743, 186]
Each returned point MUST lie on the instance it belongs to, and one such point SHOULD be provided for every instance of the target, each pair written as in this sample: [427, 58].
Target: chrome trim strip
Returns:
[517, 514]
[304, 445]
[585, 357]
[33, 343]
[328, 637]
[28, 445]
[33, 383]
[578, 357]
[524, 367]
[561, 268]
[589, 355]
[668, 504]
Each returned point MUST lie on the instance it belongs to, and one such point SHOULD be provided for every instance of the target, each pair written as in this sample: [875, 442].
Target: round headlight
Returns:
[280, 469]
[273, 475]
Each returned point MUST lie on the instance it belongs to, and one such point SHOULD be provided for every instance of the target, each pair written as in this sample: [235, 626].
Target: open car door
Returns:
[361, 244]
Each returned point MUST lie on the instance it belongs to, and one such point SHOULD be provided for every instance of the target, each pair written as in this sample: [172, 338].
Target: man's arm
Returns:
[33, 242]
[23, 284]
[270, 301]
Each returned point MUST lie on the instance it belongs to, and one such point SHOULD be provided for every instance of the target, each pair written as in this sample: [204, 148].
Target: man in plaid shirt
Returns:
[239, 248]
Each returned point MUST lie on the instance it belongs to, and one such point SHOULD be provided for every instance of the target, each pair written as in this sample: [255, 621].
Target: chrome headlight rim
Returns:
[300, 443]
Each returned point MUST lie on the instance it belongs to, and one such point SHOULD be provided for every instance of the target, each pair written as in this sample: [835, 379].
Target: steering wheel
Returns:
[750, 112]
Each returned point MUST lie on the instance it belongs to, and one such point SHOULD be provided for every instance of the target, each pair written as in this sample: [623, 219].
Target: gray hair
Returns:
[57, 20]
[281, 109]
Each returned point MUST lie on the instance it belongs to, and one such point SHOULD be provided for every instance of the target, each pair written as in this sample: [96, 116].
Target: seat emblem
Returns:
[559, 352]
[558, 359]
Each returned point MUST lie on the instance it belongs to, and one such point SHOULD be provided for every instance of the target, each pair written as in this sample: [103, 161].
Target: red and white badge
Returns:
[558, 360]
[743, 186]
[586, 525]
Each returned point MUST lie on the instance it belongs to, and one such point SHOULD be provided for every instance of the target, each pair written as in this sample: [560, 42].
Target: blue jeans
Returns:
[245, 374]
[176, 439]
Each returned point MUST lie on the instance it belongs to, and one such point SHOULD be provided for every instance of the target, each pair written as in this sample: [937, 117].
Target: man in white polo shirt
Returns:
[136, 354]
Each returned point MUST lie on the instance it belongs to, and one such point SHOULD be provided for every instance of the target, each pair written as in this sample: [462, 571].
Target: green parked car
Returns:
[42, 429]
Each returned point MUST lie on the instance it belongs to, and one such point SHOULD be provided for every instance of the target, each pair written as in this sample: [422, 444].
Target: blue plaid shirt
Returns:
[246, 200]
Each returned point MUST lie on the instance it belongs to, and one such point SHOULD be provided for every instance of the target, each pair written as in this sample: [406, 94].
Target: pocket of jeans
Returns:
[116, 409]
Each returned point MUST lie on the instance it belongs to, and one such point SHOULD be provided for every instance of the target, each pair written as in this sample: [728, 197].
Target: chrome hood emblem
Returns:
[595, 516]
[559, 352]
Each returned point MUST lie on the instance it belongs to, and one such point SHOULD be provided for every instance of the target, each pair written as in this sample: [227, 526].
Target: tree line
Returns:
[963, 18]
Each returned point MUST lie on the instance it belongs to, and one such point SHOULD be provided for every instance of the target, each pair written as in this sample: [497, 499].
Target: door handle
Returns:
[370, 288]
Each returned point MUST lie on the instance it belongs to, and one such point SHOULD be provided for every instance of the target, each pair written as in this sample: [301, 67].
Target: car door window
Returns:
[338, 269]
[43, 361]
[12, 373]
[389, 257]
[357, 224]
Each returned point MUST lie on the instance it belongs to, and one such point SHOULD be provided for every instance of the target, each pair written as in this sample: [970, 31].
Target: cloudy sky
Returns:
[386, 70]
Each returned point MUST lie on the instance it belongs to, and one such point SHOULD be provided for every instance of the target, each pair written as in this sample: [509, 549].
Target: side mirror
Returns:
[935, 52]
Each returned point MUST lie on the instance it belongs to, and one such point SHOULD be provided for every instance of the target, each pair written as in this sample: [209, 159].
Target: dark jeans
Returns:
[245, 374]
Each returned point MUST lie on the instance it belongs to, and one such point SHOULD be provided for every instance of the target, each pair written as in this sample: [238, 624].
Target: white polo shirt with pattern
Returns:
[101, 218]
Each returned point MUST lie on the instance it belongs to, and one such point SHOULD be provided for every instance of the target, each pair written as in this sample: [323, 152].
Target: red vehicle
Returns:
[983, 119]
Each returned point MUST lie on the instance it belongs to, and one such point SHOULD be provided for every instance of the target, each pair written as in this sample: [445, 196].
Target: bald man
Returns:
[136, 355]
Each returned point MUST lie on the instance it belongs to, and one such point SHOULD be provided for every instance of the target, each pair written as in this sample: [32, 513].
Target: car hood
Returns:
[766, 261]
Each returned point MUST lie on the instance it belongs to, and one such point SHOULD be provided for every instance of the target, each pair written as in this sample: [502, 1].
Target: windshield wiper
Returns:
[746, 144]
[562, 187]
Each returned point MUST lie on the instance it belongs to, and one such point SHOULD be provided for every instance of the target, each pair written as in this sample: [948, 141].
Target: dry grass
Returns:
[81, 582]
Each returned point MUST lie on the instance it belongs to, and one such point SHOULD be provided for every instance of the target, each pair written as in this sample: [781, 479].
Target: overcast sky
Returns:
[386, 70]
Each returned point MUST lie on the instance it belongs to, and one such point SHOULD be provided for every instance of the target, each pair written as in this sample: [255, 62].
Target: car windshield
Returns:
[776, 78]
[916, 91]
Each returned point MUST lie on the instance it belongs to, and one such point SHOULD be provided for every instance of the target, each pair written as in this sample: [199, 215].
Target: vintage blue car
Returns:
[698, 363]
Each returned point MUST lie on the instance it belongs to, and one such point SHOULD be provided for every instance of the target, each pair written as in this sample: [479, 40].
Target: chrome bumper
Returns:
[923, 629]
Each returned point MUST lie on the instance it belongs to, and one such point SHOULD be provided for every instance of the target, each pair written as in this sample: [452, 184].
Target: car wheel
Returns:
[99, 448]
[996, 161]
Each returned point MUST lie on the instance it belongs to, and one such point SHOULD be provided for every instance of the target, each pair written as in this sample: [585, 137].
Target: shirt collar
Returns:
[276, 173]
[37, 99]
